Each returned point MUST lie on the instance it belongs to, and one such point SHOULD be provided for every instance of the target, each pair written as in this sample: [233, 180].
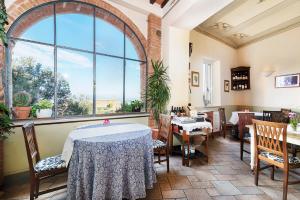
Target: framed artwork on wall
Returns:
[287, 81]
[195, 79]
[226, 85]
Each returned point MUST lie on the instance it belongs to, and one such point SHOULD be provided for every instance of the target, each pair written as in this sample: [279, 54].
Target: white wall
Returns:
[176, 52]
[281, 53]
[224, 58]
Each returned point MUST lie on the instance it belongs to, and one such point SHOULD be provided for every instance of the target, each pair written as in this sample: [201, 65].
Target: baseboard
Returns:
[16, 179]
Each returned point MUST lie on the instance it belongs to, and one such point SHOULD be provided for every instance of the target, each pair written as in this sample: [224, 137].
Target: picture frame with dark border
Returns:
[195, 79]
[226, 85]
[287, 81]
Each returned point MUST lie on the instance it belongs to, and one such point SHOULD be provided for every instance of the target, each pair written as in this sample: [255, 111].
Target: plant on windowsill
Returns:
[42, 109]
[21, 101]
[5, 131]
[136, 105]
[3, 23]
[158, 89]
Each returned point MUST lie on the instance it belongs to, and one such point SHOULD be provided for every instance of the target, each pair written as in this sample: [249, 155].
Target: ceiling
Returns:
[246, 21]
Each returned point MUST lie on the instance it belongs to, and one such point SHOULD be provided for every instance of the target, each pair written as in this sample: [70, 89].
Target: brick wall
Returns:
[153, 46]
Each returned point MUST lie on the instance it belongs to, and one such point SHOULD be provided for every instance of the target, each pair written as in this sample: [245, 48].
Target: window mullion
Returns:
[124, 64]
[94, 62]
[55, 64]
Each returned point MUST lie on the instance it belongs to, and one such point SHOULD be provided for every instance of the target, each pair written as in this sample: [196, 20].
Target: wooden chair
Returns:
[161, 143]
[270, 149]
[210, 118]
[244, 119]
[40, 169]
[224, 126]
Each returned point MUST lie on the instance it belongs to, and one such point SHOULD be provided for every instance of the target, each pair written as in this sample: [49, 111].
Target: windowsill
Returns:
[39, 122]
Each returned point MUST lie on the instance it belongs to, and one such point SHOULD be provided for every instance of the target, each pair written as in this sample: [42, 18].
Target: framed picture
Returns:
[195, 79]
[287, 81]
[226, 85]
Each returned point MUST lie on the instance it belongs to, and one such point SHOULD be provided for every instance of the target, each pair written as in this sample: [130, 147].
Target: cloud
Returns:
[45, 55]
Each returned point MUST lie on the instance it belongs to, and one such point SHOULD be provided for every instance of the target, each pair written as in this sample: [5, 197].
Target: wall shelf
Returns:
[240, 78]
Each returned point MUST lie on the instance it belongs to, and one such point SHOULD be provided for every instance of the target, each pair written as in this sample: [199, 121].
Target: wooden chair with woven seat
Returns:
[244, 119]
[269, 149]
[161, 143]
[224, 126]
[40, 169]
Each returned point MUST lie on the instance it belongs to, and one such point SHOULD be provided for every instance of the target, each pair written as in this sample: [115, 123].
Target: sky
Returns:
[76, 31]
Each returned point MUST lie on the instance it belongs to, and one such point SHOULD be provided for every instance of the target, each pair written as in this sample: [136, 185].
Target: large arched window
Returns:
[82, 58]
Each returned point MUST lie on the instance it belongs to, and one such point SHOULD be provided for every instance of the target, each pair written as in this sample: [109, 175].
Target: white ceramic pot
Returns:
[44, 113]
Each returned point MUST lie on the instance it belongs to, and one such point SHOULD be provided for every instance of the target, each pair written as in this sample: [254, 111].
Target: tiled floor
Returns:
[224, 177]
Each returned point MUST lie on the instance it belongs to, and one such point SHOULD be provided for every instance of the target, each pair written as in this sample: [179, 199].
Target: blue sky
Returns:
[76, 30]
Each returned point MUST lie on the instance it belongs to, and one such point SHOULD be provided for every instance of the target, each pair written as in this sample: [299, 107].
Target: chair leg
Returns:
[242, 149]
[272, 172]
[257, 169]
[224, 131]
[32, 188]
[159, 157]
[285, 184]
[168, 165]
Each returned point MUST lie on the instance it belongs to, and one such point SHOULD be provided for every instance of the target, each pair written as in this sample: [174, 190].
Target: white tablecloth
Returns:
[293, 137]
[234, 119]
[191, 126]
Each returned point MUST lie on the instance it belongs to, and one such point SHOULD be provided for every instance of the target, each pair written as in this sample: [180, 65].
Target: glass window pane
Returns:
[33, 71]
[75, 83]
[135, 83]
[40, 28]
[133, 47]
[74, 25]
[109, 34]
[109, 84]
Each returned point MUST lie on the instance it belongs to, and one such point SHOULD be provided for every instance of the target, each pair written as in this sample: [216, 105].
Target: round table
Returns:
[115, 162]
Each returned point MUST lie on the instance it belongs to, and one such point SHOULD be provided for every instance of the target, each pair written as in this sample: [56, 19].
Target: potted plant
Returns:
[3, 23]
[42, 109]
[21, 101]
[136, 105]
[158, 89]
[5, 131]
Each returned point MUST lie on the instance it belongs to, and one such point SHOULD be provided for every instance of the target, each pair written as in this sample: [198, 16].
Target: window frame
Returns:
[208, 83]
[8, 58]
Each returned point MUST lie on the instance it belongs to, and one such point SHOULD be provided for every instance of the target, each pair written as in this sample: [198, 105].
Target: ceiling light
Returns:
[240, 35]
[221, 26]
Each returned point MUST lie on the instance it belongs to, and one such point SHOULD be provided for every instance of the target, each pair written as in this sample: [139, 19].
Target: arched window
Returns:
[82, 58]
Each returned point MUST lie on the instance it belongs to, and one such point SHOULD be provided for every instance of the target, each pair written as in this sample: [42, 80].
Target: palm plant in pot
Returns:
[21, 109]
[158, 89]
[5, 131]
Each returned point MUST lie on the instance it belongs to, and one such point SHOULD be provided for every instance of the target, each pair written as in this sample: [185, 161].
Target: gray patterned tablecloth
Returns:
[111, 166]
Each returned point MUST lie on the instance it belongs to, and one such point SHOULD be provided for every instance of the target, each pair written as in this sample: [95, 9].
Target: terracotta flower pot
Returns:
[21, 112]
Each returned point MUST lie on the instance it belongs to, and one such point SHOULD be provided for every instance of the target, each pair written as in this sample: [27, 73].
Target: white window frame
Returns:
[207, 82]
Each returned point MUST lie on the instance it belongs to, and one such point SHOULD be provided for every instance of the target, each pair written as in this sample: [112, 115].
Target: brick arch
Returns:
[19, 7]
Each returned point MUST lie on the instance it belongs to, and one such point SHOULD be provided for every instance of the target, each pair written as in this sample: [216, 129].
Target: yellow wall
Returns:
[50, 138]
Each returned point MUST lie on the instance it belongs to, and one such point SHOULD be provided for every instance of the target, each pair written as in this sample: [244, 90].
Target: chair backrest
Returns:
[222, 117]
[164, 127]
[33, 154]
[244, 119]
[267, 135]
[210, 117]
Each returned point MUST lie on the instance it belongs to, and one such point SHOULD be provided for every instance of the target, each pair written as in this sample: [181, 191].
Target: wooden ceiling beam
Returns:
[152, 1]
[164, 3]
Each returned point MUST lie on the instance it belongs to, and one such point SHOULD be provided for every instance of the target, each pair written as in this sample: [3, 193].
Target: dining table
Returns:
[109, 161]
[190, 128]
[293, 137]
